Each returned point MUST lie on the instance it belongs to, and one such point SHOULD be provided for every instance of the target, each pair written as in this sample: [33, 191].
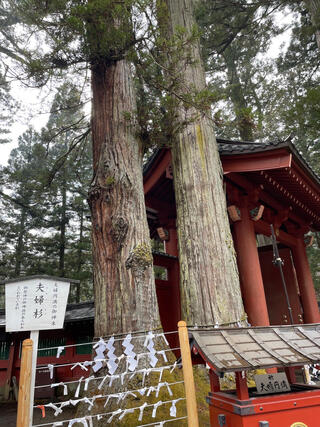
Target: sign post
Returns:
[34, 335]
[33, 304]
[23, 414]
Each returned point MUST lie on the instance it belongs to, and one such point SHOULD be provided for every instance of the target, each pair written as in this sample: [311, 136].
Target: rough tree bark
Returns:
[124, 287]
[210, 289]
[237, 97]
[63, 222]
[314, 8]
[20, 242]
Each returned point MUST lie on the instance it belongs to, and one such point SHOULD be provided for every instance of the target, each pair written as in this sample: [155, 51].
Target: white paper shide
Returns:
[36, 304]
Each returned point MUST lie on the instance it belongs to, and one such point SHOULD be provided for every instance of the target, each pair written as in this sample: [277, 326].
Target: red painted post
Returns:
[214, 381]
[291, 374]
[241, 384]
[172, 244]
[249, 269]
[9, 371]
[306, 286]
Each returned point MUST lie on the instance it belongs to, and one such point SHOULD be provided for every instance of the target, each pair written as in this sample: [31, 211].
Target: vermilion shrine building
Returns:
[264, 184]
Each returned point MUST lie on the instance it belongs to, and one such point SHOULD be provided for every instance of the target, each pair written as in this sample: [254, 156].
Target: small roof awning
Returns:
[242, 349]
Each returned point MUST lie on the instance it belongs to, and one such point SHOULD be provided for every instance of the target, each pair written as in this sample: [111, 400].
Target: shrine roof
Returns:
[284, 178]
[79, 311]
[242, 349]
[74, 313]
[229, 147]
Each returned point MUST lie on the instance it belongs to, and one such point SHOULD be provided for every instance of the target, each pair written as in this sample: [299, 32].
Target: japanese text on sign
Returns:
[36, 304]
[272, 383]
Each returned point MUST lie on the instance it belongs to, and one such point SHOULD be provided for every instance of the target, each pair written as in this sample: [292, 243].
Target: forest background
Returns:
[251, 95]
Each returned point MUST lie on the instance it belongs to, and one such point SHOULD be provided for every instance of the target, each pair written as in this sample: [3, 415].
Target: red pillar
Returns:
[249, 269]
[9, 370]
[307, 292]
[241, 385]
[171, 245]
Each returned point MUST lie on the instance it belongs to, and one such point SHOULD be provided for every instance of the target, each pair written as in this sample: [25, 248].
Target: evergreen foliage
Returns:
[45, 220]
[250, 96]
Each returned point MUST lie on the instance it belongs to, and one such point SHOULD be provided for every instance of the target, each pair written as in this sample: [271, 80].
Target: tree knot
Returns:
[140, 258]
[119, 231]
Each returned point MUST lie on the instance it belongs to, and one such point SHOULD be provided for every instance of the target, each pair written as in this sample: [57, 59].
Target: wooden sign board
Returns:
[36, 304]
[272, 383]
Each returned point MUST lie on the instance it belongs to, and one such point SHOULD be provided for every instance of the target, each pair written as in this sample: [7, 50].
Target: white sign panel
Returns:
[272, 383]
[35, 304]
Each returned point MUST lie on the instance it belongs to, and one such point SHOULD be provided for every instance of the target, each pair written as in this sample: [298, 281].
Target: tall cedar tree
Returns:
[210, 289]
[314, 9]
[98, 32]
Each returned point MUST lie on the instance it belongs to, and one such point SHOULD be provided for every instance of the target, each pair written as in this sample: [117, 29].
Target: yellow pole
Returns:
[188, 375]
[24, 384]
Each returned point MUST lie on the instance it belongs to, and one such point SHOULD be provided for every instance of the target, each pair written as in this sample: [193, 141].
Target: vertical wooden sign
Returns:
[33, 304]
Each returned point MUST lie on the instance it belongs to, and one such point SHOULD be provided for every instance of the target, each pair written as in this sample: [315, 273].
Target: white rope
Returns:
[109, 336]
[110, 413]
[125, 373]
[163, 422]
[124, 392]
[90, 362]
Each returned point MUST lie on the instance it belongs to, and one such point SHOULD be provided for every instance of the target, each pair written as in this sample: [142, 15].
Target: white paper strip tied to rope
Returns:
[149, 344]
[86, 382]
[65, 387]
[125, 412]
[142, 391]
[118, 411]
[163, 354]
[162, 335]
[155, 407]
[132, 363]
[57, 409]
[141, 409]
[111, 363]
[173, 409]
[91, 400]
[59, 351]
[99, 348]
[50, 367]
[83, 420]
[145, 372]
[82, 365]
[78, 388]
[115, 395]
[165, 384]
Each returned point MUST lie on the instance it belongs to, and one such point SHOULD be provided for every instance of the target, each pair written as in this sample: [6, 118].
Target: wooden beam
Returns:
[151, 179]
[263, 227]
[256, 162]
[163, 209]
[265, 198]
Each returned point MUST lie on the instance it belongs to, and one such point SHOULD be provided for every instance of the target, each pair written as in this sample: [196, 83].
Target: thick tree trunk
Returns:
[314, 9]
[244, 123]
[63, 222]
[124, 287]
[20, 244]
[79, 251]
[210, 289]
